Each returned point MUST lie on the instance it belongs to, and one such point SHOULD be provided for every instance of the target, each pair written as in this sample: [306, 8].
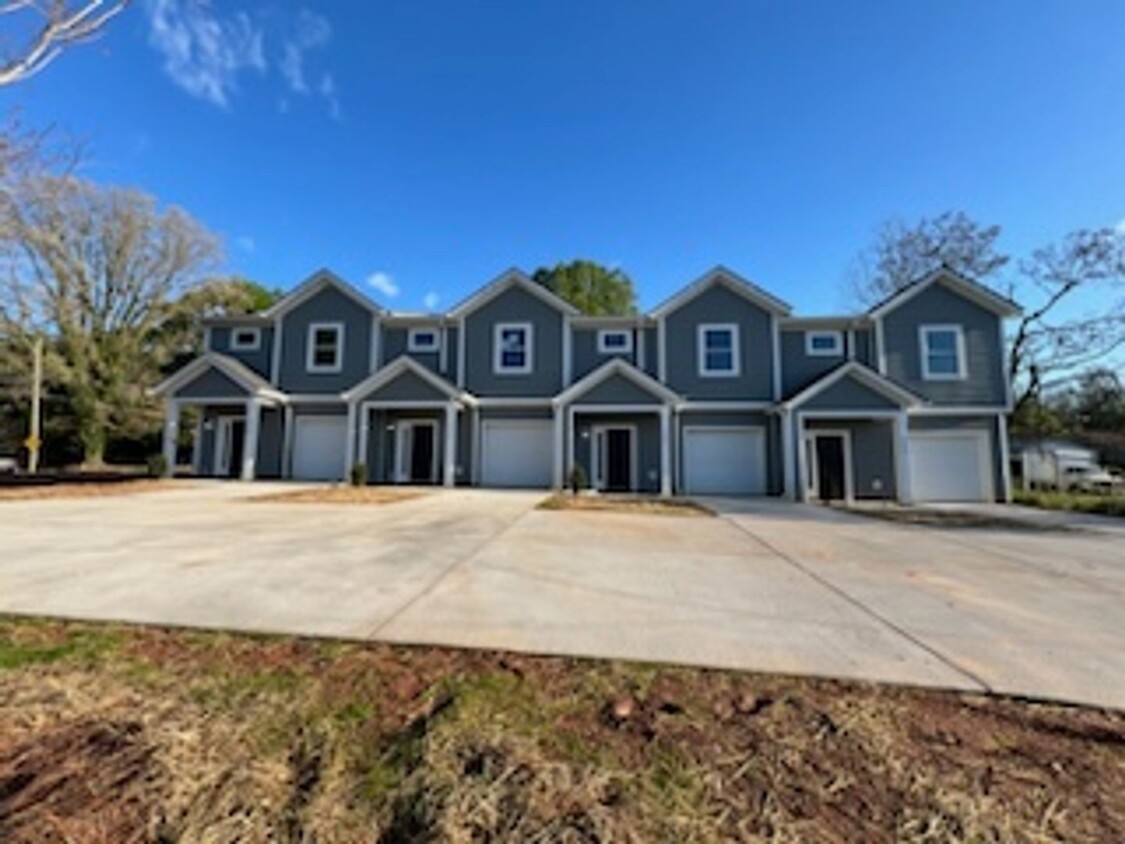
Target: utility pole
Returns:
[33, 442]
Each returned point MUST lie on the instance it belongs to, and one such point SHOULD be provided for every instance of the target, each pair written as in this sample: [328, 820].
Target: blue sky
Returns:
[438, 143]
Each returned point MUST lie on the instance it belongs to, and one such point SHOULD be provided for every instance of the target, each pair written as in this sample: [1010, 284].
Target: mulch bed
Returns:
[636, 504]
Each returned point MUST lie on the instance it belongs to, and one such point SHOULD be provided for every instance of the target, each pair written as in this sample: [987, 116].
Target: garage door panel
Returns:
[318, 448]
[516, 453]
[724, 461]
[950, 466]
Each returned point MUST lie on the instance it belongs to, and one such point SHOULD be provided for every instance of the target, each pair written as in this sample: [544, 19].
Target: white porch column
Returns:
[171, 433]
[558, 477]
[801, 486]
[349, 445]
[250, 443]
[902, 455]
[788, 469]
[665, 451]
[197, 443]
[1005, 456]
[448, 476]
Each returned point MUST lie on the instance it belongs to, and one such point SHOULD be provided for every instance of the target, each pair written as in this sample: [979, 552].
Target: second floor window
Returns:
[326, 347]
[422, 340]
[943, 352]
[512, 348]
[245, 339]
[612, 341]
[718, 350]
[824, 344]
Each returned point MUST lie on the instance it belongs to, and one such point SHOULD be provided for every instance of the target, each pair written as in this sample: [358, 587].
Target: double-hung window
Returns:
[512, 348]
[943, 352]
[718, 350]
[325, 347]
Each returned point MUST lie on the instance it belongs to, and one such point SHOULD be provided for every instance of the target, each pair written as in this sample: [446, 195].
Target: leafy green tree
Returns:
[590, 287]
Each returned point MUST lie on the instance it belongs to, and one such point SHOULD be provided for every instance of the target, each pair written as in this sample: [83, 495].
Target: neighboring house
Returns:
[720, 390]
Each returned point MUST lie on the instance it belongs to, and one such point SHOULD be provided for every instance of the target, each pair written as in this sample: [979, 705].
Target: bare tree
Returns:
[98, 272]
[39, 30]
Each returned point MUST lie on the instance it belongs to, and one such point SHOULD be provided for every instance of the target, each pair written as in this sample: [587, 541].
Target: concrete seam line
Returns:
[827, 584]
[442, 575]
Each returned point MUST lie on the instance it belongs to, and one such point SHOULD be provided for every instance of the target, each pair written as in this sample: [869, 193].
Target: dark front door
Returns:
[237, 439]
[830, 467]
[619, 460]
[422, 453]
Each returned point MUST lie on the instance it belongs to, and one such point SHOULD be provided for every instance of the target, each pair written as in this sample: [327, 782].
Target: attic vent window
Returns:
[245, 339]
[613, 341]
[824, 344]
[422, 340]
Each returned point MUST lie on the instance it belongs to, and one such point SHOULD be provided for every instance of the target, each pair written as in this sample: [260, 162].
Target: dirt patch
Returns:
[954, 519]
[639, 504]
[89, 489]
[341, 495]
[121, 734]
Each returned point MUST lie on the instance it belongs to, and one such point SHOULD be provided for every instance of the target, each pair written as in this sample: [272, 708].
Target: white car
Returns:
[1101, 480]
[8, 465]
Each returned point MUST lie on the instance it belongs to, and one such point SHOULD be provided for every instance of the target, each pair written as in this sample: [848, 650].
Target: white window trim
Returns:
[701, 350]
[412, 344]
[310, 359]
[626, 349]
[836, 351]
[252, 346]
[924, 332]
[529, 348]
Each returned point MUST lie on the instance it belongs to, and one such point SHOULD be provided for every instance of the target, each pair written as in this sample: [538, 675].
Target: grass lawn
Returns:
[122, 734]
[642, 504]
[1078, 502]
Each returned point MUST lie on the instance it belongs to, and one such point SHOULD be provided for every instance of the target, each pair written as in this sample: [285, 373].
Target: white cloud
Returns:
[204, 53]
[430, 301]
[245, 243]
[383, 283]
[1120, 227]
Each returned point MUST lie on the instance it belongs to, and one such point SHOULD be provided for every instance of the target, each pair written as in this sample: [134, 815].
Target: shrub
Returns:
[157, 466]
[358, 475]
[578, 480]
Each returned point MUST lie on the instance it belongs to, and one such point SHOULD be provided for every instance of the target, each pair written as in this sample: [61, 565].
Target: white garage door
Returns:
[724, 461]
[318, 448]
[516, 452]
[950, 466]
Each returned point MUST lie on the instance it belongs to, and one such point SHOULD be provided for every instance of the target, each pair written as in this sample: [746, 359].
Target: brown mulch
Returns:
[637, 504]
[340, 495]
[188, 736]
[34, 492]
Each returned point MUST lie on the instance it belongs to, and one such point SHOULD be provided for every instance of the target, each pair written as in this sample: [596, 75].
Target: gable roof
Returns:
[402, 365]
[732, 281]
[506, 280]
[609, 369]
[866, 376]
[312, 285]
[254, 384]
[974, 291]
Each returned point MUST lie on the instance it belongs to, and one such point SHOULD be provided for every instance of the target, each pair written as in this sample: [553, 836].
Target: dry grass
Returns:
[111, 733]
[638, 504]
[952, 519]
[32, 492]
[341, 494]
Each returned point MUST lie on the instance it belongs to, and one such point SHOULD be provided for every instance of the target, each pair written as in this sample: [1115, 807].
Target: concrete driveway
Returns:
[767, 586]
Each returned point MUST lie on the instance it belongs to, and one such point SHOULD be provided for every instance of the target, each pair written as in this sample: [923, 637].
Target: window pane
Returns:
[943, 364]
[614, 341]
[823, 341]
[717, 338]
[513, 348]
[945, 341]
[719, 361]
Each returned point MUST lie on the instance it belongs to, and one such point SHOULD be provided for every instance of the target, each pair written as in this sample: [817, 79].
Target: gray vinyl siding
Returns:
[211, 384]
[873, 455]
[768, 422]
[849, 394]
[718, 304]
[865, 347]
[937, 304]
[648, 445]
[270, 439]
[327, 305]
[259, 360]
[395, 343]
[798, 369]
[584, 352]
[652, 351]
[406, 387]
[977, 423]
[617, 389]
[381, 444]
[514, 305]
